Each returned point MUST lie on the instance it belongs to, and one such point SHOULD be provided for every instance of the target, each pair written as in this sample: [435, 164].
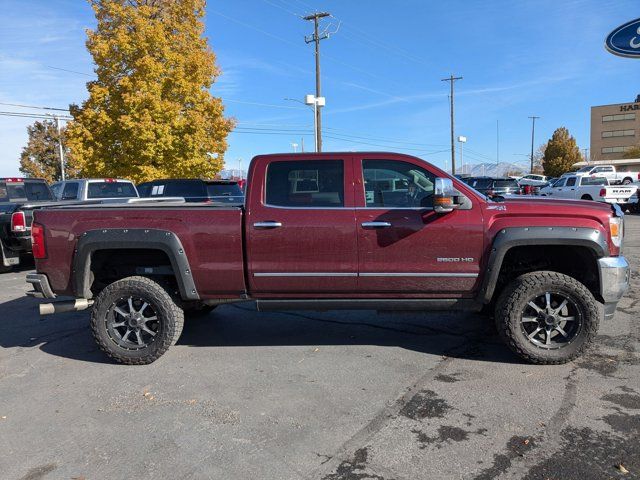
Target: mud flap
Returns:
[9, 258]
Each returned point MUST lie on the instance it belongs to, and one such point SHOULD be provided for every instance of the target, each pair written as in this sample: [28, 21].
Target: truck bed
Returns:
[211, 237]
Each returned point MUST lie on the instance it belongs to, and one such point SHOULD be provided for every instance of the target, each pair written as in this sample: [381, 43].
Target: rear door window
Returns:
[593, 181]
[305, 184]
[70, 191]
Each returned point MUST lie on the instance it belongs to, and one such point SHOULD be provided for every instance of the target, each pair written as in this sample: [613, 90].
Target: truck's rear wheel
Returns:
[135, 320]
[586, 197]
[547, 317]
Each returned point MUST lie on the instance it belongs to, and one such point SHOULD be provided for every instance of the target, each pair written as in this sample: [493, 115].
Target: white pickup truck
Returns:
[610, 173]
[580, 187]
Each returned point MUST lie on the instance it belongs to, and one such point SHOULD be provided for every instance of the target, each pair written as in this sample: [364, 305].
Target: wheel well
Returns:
[110, 265]
[577, 262]
[586, 197]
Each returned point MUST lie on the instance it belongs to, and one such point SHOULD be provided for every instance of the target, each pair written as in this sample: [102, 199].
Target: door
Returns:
[301, 236]
[404, 247]
[556, 190]
[569, 190]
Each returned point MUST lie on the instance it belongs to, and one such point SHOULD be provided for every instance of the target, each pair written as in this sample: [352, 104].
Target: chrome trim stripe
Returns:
[411, 274]
[305, 274]
[344, 274]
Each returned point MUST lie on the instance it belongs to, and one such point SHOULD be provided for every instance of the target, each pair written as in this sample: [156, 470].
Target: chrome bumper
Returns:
[614, 281]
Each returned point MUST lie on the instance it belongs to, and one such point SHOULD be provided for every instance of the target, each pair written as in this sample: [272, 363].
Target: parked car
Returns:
[609, 171]
[494, 187]
[314, 235]
[94, 189]
[227, 192]
[533, 180]
[591, 188]
[18, 198]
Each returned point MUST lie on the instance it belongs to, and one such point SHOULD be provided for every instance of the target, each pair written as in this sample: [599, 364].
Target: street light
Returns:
[462, 140]
[316, 102]
[295, 147]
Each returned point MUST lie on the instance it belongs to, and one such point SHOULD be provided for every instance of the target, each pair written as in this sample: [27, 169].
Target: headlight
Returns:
[616, 230]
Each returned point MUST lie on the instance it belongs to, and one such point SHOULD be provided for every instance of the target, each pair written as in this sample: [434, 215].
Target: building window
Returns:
[615, 149]
[618, 133]
[618, 117]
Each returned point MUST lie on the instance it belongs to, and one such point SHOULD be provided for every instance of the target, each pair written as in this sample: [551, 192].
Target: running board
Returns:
[370, 304]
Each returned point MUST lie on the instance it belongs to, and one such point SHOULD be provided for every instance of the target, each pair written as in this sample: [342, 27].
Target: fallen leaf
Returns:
[526, 442]
[192, 402]
[622, 469]
[317, 350]
[4, 417]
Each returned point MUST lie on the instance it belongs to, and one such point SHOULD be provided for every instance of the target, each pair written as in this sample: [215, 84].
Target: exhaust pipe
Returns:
[66, 306]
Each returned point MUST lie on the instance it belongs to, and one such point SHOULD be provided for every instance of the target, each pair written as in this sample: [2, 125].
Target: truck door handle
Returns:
[376, 224]
[268, 224]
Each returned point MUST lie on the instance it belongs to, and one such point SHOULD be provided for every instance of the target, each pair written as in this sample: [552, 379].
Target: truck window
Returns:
[187, 189]
[571, 181]
[70, 191]
[224, 190]
[593, 181]
[305, 184]
[559, 183]
[29, 190]
[110, 190]
[396, 184]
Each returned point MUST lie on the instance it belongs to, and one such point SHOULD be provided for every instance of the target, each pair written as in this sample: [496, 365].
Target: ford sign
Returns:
[625, 40]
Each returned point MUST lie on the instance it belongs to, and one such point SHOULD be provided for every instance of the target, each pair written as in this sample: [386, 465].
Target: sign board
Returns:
[625, 40]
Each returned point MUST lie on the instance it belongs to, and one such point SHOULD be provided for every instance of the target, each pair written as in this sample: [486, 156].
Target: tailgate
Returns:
[620, 194]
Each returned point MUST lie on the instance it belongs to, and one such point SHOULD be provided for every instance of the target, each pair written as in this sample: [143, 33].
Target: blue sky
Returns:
[381, 71]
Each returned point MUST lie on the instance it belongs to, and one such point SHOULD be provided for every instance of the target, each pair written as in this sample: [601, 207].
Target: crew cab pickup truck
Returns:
[591, 188]
[375, 231]
[18, 198]
[610, 173]
[85, 189]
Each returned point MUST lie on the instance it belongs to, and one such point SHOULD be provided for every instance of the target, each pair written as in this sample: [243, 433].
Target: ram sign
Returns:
[625, 40]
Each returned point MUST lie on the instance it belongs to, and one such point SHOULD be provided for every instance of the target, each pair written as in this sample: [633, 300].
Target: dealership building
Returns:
[614, 130]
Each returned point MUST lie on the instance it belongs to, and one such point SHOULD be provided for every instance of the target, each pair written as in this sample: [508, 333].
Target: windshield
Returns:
[31, 191]
[224, 190]
[111, 190]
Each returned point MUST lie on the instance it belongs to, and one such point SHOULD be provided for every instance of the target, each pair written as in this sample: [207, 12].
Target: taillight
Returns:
[18, 222]
[603, 192]
[37, 241]
[638, 176]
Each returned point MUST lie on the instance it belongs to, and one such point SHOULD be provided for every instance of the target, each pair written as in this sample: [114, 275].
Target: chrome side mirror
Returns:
[443, 195]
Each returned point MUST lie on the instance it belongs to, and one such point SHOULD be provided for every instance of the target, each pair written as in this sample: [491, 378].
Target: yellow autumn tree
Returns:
[150, 113]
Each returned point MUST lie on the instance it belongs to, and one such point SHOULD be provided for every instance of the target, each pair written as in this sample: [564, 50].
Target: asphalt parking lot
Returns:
[302, 395]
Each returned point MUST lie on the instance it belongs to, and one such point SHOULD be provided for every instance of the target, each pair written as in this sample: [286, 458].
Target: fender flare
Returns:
[108, 239]
[508, 238]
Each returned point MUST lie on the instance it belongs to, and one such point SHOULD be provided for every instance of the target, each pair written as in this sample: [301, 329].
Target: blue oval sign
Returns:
[625, 40]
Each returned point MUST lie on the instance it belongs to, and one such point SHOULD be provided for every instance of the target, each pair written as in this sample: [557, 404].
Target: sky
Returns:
[382, 67]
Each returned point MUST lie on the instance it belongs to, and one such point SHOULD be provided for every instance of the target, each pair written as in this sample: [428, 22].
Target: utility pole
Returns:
[497, 145]
[452, 80]
[586, 158]
[60, 149]
[533, 132]
[316, 38]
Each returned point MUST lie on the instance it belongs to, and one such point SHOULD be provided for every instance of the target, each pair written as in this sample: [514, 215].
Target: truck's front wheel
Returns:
[135, 320]
[547, 317]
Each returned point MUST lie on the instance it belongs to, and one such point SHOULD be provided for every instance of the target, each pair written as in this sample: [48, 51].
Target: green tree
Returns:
[40, 158]
[560, 154]
[150, 112]
[632, 153]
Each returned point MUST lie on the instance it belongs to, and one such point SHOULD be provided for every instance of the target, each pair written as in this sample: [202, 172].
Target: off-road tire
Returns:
[516, 295]
[170, 319]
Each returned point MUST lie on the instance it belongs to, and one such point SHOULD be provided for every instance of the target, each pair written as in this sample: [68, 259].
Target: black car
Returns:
[18, 198]
[494, 187]
[221, 192]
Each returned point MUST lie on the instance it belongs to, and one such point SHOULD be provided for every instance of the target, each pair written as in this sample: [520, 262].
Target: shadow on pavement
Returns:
[458, 335]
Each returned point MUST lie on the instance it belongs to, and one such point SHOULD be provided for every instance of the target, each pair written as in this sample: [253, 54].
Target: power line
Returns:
[33, 106]
[69, 71]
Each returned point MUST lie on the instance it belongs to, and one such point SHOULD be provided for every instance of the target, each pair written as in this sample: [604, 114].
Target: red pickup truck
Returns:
[378, 231]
